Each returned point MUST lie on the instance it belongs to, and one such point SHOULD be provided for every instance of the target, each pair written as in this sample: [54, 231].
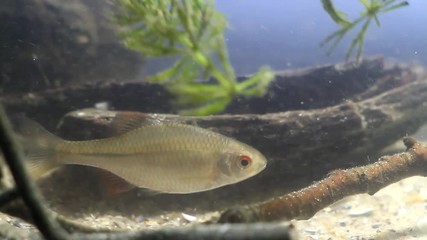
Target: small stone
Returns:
[362, 211]
[376, 225]
[402, 211]
[119, 224]
[151, 223]
[17, 223]
[102, 105]
[310, 230]
[140, 218]
[421, 226]
[423, 193]
[188, 217]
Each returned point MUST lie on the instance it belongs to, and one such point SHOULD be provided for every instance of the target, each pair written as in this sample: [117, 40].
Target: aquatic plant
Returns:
[193, 32]
[372, 9]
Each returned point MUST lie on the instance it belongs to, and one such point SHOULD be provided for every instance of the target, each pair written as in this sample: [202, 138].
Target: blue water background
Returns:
[287, 34]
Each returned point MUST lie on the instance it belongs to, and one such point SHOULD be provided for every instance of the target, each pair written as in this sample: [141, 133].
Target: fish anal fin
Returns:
[112, 184]
[126, 121]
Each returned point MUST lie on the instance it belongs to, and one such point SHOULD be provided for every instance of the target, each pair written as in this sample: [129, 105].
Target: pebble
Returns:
[102, 105]
[119, 224]
[376, 225]
[402, 211]
[327, 209]
[188, 217]
[423, 193]
[421, 226]
[310, 230]
[361, 211]
[150, 223]
[17, 223]
[140, 218]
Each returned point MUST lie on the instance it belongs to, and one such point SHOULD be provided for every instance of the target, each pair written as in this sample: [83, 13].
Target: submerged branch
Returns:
[369, 179]
[14, 158]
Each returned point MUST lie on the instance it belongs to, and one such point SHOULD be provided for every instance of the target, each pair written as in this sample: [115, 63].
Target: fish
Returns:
[160, 156]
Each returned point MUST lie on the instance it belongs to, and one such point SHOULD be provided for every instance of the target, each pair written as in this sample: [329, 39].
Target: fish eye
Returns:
[244, 161]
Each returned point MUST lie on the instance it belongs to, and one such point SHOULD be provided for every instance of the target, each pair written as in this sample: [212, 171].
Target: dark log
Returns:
[295, 141]
[304, 89]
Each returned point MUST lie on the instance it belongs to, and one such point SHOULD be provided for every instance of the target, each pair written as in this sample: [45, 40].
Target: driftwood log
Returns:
[304, 145]
[305, 89]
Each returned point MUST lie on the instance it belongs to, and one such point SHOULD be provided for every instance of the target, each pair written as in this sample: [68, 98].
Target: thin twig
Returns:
[369, 179]
[14, 158]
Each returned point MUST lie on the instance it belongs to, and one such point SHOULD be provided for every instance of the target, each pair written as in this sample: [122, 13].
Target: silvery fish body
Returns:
[164, 157]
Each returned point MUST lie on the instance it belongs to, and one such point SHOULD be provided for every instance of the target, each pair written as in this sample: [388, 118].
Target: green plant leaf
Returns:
[372, 9]
[338, 16]
[213, 107]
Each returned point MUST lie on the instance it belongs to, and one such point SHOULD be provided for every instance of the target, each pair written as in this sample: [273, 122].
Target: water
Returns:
[315, 118]
[284, 34]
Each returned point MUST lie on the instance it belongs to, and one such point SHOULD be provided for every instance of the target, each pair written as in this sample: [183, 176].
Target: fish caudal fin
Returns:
[39, 146]
[39, 162]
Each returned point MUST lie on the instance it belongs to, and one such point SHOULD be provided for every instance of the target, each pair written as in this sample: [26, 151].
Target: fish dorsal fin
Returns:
[124, 122]
[113, 184]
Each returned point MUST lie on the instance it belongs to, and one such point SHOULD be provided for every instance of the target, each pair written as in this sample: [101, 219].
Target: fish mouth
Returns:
[264, 165]
[261, 165]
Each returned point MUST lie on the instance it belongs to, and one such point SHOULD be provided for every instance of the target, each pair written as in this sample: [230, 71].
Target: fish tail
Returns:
[39, 146]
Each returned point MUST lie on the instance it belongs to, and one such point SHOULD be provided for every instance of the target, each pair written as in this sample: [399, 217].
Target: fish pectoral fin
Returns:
[124, 122]
[113, 184]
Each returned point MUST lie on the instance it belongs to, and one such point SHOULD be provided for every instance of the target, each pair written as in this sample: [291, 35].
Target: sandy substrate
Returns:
[396, 212]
